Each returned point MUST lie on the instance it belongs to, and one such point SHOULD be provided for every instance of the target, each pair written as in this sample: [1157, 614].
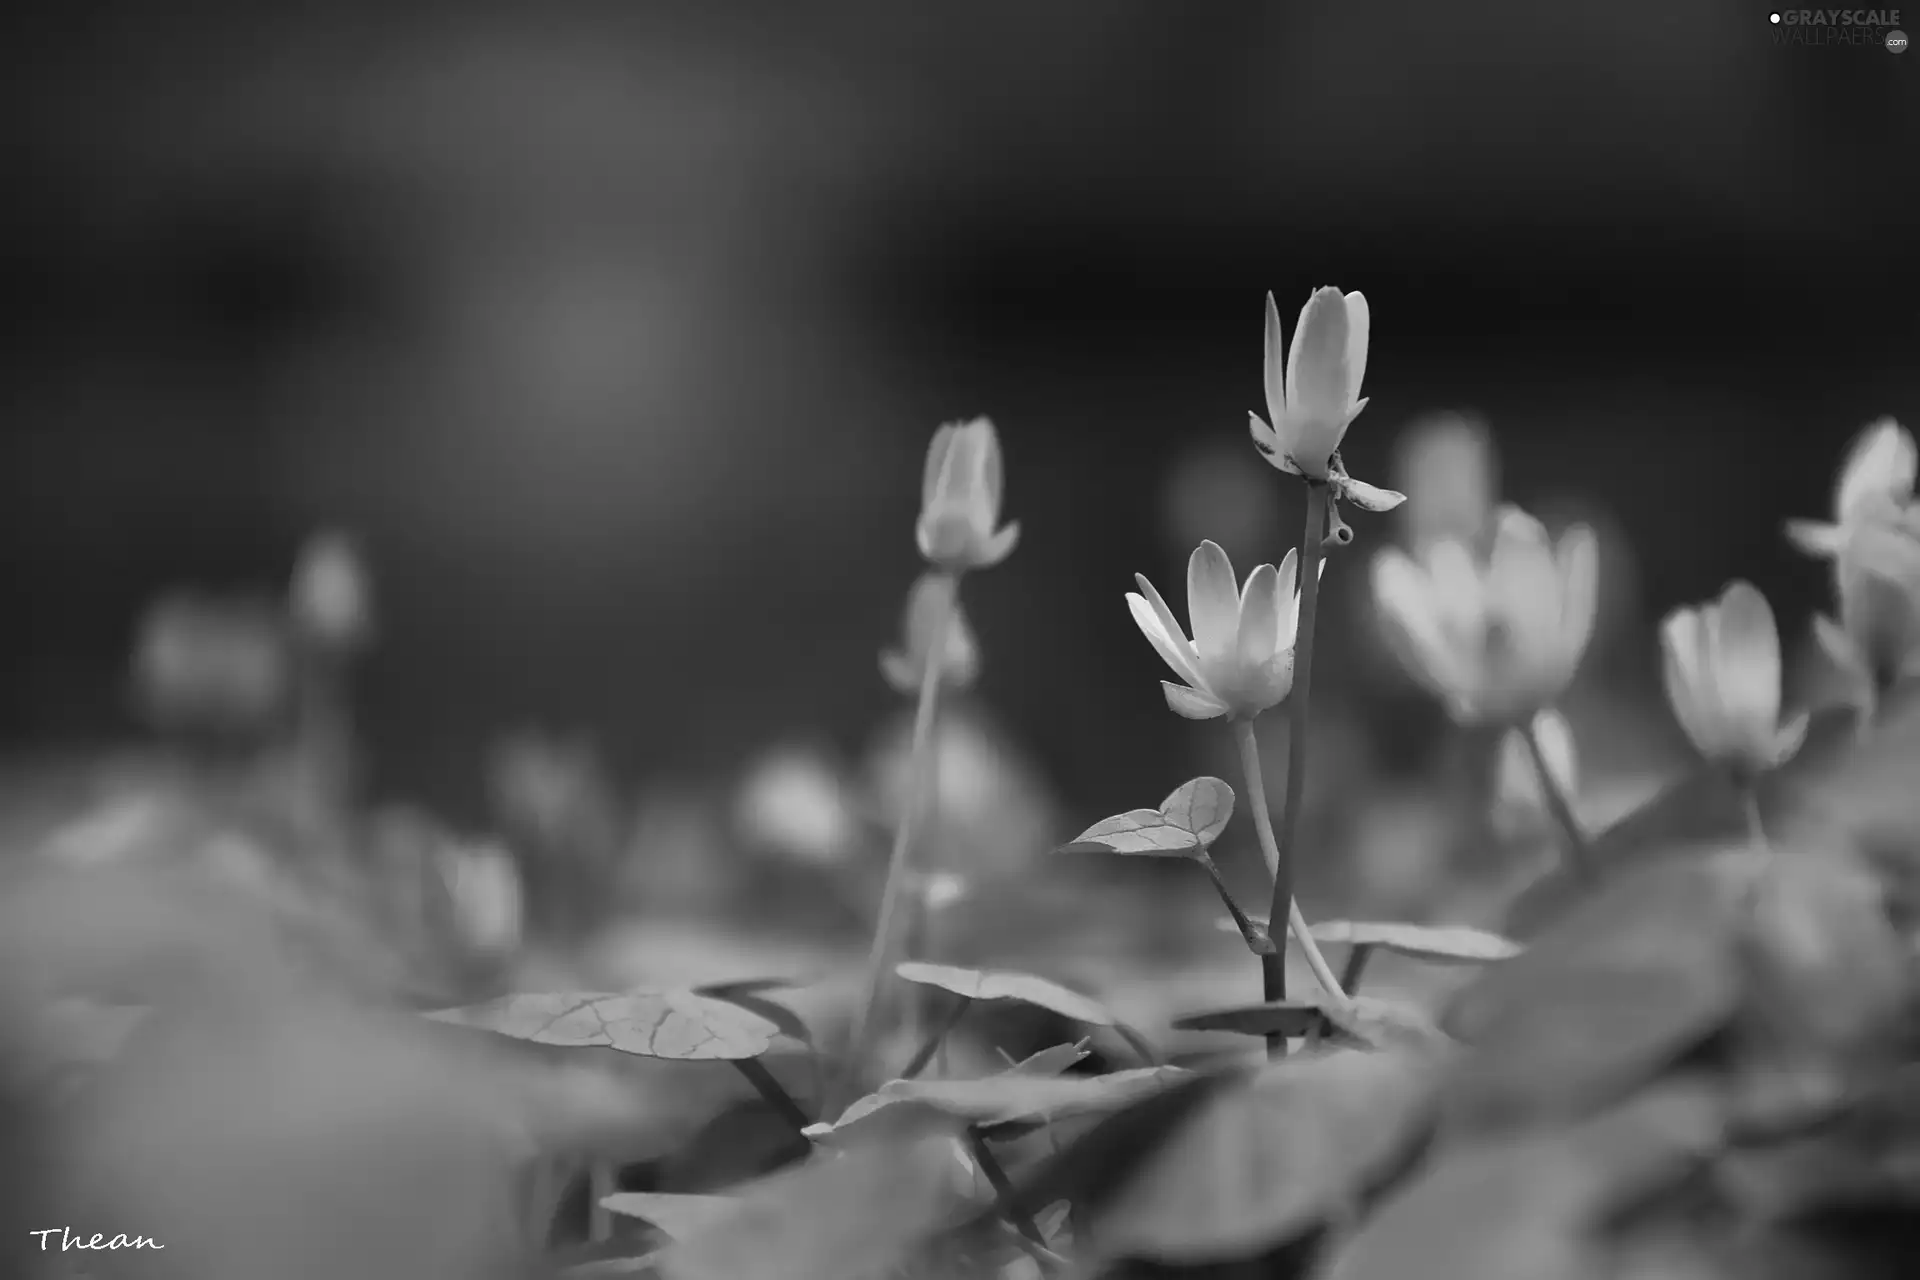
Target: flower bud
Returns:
[960, 500]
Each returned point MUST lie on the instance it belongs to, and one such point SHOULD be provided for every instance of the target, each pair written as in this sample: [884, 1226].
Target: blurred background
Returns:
[613, 336]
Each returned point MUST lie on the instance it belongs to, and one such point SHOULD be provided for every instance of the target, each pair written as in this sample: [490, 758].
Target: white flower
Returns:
[1722, 671]
[1876, 477]
[1240, 660]
[933, 595]
[1518, 798]
[1313, 393]
[960, 498]
[1496, 639]
[792, 801]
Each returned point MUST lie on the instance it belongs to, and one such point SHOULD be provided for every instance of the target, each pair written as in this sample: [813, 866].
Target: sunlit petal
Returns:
[1213, 602]
[1191, 703]
[1157, 624]
[1259, 633]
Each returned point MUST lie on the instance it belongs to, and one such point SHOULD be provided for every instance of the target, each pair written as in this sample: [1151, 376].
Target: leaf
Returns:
[1269, 1159]
[1293, 1018]
[1525, 1207]
[1053, 1061]
[1008, 1098]
[856, 1214]
[746, 994]
[675, 1024]
[1438, 944]
[1641, 973]
[677, 1217]
[1007, 984]
[1370, 1022]
[1185, 823]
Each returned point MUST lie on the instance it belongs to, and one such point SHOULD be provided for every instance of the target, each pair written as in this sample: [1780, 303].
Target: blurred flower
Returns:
[960, 500]
[1499, 639]
[1240, 660]
[1450, 469]
[483, 883]
[994, 812]
[928, 606]
[556, 793]
[212, 664]
[330, 599]
[1518, 800]
[1722, 672]
[793, 803]
[1875, 548]
[1313, 393]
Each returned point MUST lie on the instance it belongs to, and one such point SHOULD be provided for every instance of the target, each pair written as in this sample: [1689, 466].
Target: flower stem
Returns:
[1578, 852]
[1003, 1188]
[769, 1087]
[920, 796]
[1756, 827]
[938, 1037]
[1259, 941]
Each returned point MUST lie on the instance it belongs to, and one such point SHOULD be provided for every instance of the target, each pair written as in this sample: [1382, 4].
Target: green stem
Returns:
[919, 795]
[1259, 941]
[774, 1092]
[1149, 1057]
[1756, 827]
[1002, 1187]
[602, 1181]
[939, 1037]
[1578, 851]
[1350, 975]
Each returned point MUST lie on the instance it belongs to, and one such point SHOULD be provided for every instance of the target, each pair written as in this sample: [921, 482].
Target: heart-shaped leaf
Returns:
[1009, 1098]
[1268, 1159]
[1185, 823]
[1007, 984]
[1643, 971]
[680, 1025]
[676, 1217]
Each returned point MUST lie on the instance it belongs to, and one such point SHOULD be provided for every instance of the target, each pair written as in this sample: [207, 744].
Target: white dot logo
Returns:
[1774, 18]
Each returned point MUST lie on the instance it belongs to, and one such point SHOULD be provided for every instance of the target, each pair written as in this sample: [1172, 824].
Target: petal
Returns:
[1274, 366]
[1685, 681]
[1151, 616]
[992, 471]
[1367, 497]
[1268, 442]
[1259, 635]
[959, 470]
[1213, 603]
[1317, 384]
[1816, 537]
[937, 450]
[1407, 602]
[1881, 461]
[1359, 325]
[1191, 703]
[1578, 561]
[1525, 593]
[999, 546]
[1340, 435]
[1787, 743]
[1837, 645]
[1746, 660]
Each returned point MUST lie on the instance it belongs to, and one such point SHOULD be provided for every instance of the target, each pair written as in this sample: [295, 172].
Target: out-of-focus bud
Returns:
[793, 802]
[212, 665]
[1451, 474]
[932, 606]
[960, 500]
[1519, 803]
[330, 599]
[483, 885]
[1722, 672]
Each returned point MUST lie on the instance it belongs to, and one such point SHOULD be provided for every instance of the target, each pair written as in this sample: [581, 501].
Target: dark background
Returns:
[618, 331]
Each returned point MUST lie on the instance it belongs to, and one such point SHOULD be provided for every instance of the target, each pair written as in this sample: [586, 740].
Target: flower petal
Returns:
[1366, 496]
[1259, 635]
[1213, 603]
[999, 546]
[1191, 703]
[1359, 327]
[992, 470]
[1685, 679]
[1881, 461]
[1791, 737]
[1816, 537]
[1151, 616]
[1407, 600]
[1267, 440]
[1273, 368]
[1317, 379]
[1578, 561]
[1747, 659]
[937, 450]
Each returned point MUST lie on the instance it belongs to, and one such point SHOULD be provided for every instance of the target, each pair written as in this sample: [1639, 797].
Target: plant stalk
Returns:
[1579, 853]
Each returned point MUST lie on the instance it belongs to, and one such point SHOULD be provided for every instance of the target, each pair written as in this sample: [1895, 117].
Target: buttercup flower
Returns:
[1313, 394]
[1518, 800]
[927, 609]
[1240, 660]
[1722, 670]
[1497, 639]
[960, 500]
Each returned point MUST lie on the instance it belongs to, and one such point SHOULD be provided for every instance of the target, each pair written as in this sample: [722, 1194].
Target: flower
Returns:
[793, 802]
[1240, 660]
[1496, 639]
[1519, 802]
[483, 886]
[330, 599]
[1313, 394]
[928, 604]
[1722, 672]
[1874, 544]
[960, 500]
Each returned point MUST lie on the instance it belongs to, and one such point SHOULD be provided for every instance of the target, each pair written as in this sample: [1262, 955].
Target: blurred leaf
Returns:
[746, 994]
[1008, 1098]
[1440, 944]
[1643, 971]
[1293, 1018]
[1371, 1022]
[677, 1217]
[1052, 1061]
[1522, 1207]
[843, 1215]
[1185, 823]
[1268, 1159]
[680, 1025]
[1005, 984]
